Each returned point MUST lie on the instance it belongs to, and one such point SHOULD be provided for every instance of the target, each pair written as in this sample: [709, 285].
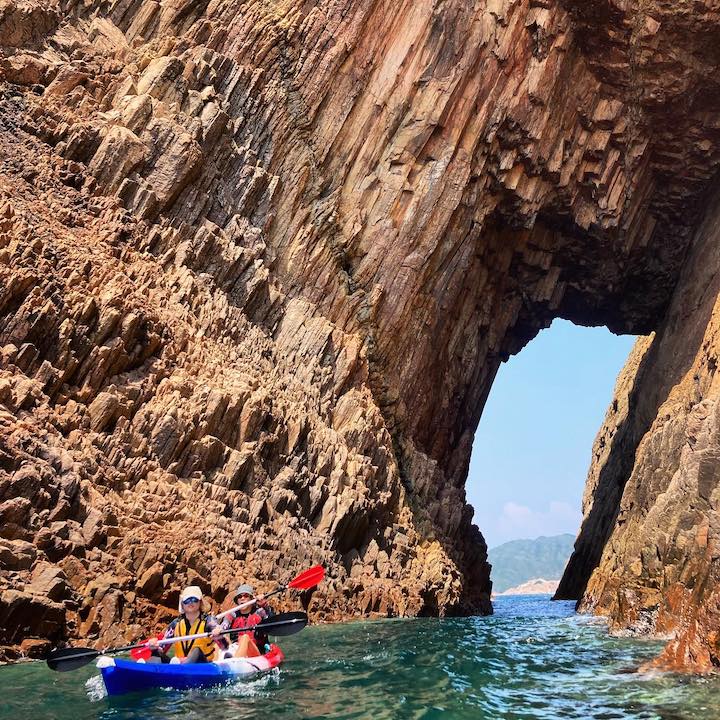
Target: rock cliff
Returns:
[648, 552]
[260, 262]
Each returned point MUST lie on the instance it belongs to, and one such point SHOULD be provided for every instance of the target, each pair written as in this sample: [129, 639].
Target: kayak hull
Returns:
[125, 676]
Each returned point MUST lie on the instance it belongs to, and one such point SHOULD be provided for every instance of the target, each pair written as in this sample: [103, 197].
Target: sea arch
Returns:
[320, 229]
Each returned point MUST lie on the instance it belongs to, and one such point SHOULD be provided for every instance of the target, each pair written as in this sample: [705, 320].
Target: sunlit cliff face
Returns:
[264, 259]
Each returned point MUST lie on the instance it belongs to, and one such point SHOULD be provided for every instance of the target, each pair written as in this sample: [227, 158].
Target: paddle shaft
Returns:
[90, 654]
[183, 638]
[96, 653]
[303, 581]
[248, 603]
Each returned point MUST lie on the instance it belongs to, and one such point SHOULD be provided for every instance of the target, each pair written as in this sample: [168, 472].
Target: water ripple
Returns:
[533, 660]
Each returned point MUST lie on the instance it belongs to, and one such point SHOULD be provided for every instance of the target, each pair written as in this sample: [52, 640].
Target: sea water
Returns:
[533, 659]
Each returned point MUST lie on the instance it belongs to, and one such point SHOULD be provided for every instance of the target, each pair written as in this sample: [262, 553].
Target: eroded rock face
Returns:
[261, 262]
[656, 467]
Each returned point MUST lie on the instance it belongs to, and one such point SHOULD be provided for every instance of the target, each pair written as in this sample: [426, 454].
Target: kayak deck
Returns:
[124, 676]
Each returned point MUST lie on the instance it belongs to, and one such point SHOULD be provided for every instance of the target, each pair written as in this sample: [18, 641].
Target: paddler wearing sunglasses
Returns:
[194, 619]
[244, 621]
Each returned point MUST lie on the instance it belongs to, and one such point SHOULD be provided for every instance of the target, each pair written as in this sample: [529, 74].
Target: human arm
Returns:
[216, 628]
[225, 624]
[264, 608]
[153, 643]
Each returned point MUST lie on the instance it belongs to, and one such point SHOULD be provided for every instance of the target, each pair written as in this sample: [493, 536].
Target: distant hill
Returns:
[516, 562]
[532, 587]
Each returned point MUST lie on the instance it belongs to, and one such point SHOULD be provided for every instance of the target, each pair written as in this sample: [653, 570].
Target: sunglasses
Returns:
[190, 601]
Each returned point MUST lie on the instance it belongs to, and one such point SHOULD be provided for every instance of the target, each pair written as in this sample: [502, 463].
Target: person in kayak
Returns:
[194, 619]
[244, 620]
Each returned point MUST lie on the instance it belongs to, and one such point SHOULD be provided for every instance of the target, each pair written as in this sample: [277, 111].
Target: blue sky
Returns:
[532, 447]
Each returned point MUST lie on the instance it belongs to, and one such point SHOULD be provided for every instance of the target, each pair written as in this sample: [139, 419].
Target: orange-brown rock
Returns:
[260, 263]
[648, 552]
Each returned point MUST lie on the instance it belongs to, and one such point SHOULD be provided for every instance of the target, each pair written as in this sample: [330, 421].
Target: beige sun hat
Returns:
[188, 592]
[244, 590]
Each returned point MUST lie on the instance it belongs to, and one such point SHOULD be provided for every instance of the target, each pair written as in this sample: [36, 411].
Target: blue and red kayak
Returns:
[124, 676]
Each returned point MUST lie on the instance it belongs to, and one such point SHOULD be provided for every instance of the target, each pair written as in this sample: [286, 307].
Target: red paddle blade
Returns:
[143, 653]
[309, 578]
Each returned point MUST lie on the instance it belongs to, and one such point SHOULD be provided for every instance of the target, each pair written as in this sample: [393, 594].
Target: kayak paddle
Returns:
[281, 625]
[304, 581]
[66, 659]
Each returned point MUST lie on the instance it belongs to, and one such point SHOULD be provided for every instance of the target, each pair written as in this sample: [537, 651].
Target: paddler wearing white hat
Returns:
[194, 619]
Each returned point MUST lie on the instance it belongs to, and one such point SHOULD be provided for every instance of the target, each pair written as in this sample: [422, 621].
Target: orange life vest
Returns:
[183, 648]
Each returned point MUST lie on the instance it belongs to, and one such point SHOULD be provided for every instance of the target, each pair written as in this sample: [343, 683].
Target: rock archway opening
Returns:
[534, 442]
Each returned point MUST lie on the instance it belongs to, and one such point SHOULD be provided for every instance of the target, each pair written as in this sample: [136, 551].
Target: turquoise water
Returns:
[532, 659]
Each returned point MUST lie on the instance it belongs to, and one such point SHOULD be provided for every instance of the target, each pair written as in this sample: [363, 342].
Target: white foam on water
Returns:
[249, 688]
[95, 688]
[383, 655]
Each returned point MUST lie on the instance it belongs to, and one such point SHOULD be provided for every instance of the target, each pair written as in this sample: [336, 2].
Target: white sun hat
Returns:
[189, 592]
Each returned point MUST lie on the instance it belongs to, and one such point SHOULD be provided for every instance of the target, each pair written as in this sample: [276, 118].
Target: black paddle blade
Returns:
[283, 624]
[66, 659]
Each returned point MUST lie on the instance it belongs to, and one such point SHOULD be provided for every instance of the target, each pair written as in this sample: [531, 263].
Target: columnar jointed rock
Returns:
[261, 262]
[658, 456]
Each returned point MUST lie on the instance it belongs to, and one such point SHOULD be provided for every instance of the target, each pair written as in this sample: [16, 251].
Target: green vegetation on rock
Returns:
[518, 561]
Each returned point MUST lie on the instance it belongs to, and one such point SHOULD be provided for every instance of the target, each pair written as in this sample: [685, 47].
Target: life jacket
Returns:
[246, 623]
[183, 648]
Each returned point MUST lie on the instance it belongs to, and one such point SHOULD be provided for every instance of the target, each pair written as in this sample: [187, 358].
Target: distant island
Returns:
[537, 586]
[524, 566]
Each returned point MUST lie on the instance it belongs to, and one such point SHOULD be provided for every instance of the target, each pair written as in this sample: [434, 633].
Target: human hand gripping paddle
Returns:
[281, 625]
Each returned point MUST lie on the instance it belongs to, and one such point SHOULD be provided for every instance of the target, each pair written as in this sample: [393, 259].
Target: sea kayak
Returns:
[124, 676]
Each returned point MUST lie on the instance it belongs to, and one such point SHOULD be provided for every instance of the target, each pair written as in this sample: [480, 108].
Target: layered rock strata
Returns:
[261, 261]
[648, 554]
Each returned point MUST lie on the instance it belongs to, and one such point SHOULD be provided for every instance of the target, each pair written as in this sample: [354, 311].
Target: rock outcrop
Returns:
[260, 262]
[648, 554]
